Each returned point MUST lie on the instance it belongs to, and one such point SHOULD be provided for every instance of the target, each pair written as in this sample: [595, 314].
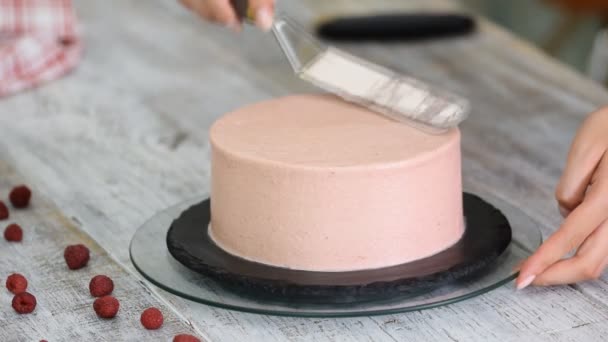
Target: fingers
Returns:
[263, 13]
[563, 211]
[573, 184]
[577, 227]
[218, 11]
[580, 166]
[573, 232]
[587, 264]
[585, 154]
[222, 12]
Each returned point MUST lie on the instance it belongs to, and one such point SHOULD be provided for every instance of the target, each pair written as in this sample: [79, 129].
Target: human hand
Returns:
[582, 195]
[222, 12]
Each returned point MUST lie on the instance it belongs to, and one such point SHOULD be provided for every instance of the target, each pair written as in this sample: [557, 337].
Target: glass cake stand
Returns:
[149, 254]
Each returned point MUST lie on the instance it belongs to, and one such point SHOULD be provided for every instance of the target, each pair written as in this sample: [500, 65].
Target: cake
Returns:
[310, 182]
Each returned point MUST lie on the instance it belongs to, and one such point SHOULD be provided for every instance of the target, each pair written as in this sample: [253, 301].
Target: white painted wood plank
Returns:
[64, 310]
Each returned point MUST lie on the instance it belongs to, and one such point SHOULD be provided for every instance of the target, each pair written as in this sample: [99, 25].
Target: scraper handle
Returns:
[396, 27]
[241, 8]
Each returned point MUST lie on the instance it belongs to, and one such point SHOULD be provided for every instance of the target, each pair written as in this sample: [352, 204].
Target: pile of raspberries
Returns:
[76, 257]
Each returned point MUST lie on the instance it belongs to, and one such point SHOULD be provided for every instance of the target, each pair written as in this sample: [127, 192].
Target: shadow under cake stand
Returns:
[173, 251]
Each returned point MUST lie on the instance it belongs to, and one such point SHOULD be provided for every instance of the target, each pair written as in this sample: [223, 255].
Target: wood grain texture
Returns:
[64, 309]
[126, 136]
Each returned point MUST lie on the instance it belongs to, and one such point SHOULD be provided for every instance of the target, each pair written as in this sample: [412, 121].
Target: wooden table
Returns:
[125, 136]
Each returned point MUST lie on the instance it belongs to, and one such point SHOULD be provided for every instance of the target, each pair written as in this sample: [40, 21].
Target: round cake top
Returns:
[321, 131]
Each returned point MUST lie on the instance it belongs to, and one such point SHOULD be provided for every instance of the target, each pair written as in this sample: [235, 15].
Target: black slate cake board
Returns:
[486, 237]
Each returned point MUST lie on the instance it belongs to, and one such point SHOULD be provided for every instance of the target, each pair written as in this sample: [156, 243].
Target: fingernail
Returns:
[263, 19]
[526, 282]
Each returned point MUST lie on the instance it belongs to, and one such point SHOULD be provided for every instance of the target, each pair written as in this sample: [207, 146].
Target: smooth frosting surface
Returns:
[313, 130]
[311, 182]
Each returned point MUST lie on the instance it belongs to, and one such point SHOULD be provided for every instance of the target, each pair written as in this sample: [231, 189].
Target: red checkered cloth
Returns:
[39, 42]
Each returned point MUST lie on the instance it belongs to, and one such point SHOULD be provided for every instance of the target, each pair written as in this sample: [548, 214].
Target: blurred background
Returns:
[566, 29]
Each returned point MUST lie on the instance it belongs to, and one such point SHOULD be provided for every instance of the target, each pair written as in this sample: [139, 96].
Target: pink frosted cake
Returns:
[311, 182]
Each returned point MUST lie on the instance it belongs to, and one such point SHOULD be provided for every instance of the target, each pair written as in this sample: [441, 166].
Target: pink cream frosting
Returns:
[311, 182]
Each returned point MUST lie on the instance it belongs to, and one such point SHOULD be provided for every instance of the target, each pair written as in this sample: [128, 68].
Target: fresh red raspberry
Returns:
[16, 283]
[3, 211]
[24, 302]
[106, 307]
[13, 233]
[100, 286]
[151, 318]
[20, 196]
[76, 256]
[185, 338]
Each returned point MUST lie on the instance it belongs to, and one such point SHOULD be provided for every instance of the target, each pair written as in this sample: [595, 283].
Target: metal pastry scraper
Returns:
[356, 80]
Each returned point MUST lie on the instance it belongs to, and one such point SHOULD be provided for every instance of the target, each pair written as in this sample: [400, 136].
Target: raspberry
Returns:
[20, 196]
[106, 307]
[24, 302]
[3, 211]
[185, 338]
[76, 256]
[151, 318]
[100, 286]
[13, 233]
[16, 283]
